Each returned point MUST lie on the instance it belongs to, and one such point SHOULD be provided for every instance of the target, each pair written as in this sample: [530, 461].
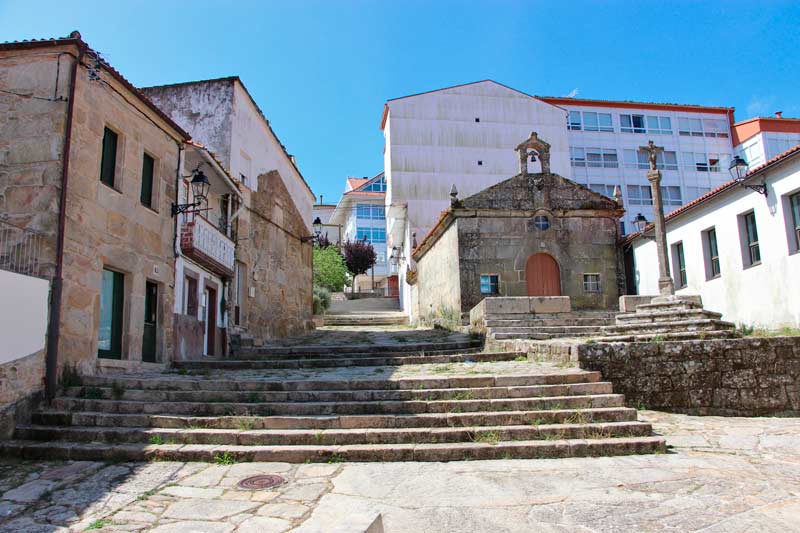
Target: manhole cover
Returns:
[264, 481]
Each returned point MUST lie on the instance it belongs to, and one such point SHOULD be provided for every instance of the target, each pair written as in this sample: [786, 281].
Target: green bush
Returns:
[322, 300]
[330, 271]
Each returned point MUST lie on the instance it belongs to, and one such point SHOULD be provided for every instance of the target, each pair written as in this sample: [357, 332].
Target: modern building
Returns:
[465, 135]
[361, 215]
[736, 247]
[270, 296]
[759, 139]
[91, 165]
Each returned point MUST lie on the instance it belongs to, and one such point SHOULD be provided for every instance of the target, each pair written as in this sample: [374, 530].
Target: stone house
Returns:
[535, 234]
[90, 163]
[271, 295]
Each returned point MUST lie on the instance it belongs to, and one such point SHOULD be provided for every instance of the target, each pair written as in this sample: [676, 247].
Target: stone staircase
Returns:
[383, 319]
[669, 318]
[289, 405]
[542, 326]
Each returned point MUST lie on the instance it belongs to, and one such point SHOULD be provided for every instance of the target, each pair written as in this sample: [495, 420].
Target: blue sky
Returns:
[321, 71]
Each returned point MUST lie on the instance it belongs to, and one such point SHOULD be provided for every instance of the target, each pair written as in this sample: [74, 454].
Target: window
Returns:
[794, 219]
[190, 296]
[711, 253]
[701, 162]
[480, 163]
[380, 257]
[631, 124]
[112, 302]
[605, 190]
[243, 180]
[146, 195]
[591, 282]
[590, 121]
[378, 185]
[692, 193]
[541, 222]
[370, 211]
[659, 125]
[640, 195]
[490, 284]
[751, 253]
[373, 235]
[640, 159]
[679, 265]
[477, 119]
[713, 127]
[692, 127]
[671, 195]
[601, 158]
[108, 162]
[577, 157]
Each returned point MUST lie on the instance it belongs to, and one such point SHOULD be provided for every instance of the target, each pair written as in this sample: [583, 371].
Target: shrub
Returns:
[359, 256]
[322, 300]
[330, 271]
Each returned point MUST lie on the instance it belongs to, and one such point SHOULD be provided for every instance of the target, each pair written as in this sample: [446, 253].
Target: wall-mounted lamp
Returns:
[641, 223]
[200, 186]
[738, 170]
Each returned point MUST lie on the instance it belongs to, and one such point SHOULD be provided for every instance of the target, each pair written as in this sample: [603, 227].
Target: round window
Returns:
[541, 222]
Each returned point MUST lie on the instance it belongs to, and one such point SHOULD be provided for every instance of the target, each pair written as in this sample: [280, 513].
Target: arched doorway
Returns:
[542, 275]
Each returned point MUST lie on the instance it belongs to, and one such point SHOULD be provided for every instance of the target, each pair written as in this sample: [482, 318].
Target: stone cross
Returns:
[652, 153]
[532, 147]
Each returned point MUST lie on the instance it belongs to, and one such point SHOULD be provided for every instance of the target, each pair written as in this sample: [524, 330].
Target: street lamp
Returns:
[317, 226]
[640, 222]
[200, 186]
[738, 169]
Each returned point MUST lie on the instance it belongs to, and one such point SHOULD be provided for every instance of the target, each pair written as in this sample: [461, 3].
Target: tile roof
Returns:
[719, 190]
[355, 183]
[75, 39]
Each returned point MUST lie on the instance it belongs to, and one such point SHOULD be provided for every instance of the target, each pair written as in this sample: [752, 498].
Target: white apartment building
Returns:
[735, 247]
[465, 136]
[361, 215]
[759, 139]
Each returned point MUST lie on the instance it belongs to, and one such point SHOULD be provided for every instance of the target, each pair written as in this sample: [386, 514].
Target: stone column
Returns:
[665, 285]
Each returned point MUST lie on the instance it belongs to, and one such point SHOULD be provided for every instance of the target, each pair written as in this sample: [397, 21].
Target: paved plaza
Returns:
[721, 475]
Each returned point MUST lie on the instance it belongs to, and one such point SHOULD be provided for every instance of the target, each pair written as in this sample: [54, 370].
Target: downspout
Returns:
[54, 326]
[176, 244]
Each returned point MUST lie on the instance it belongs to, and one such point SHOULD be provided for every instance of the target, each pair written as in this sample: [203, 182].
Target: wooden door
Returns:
[211, 319]
[542, 276]
[150, 333]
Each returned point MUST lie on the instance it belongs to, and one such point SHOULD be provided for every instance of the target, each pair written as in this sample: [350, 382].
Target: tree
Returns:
[330, 270]
[359, 256]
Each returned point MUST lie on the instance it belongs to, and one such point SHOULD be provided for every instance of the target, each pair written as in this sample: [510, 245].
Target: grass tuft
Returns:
[225, 458]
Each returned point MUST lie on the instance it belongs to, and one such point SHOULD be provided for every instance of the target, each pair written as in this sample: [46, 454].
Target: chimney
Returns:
[778, 114]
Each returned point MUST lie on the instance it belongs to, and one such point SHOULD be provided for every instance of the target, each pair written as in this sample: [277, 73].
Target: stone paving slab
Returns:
[723, 475]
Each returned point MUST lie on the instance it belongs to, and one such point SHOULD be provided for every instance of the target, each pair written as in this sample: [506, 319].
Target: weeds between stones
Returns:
[225, 458]
[486, 437]
[590, 341]
[656, 339]
[146, 495]
[245, 424]
[157, 440]
[252, 397]
[466, 395]
[70, 376]
[117, 390]
[98, 524]
[335, 458]
[597, 433]
[91, 393]
[578, 417]
[521, 358]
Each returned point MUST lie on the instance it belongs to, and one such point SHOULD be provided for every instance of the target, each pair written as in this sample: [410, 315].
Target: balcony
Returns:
[203, 242]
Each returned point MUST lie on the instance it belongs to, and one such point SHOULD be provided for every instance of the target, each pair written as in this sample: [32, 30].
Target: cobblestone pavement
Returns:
[722, 475]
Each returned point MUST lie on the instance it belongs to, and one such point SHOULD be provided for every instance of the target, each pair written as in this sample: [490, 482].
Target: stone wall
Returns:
[277, 296]
[438, 289]
[21, 388]
[737, 377]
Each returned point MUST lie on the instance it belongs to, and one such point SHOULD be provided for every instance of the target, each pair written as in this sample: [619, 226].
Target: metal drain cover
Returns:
[264, 481]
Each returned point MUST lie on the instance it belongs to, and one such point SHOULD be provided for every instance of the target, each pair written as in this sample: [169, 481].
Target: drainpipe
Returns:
[54, 326]
[176, 243]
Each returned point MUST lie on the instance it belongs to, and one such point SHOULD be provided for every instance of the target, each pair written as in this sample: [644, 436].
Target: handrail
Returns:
[21, 250]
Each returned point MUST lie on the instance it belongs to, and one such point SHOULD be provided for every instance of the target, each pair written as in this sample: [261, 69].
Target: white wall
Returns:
[255, 150]
[23, 315]
[767, 294]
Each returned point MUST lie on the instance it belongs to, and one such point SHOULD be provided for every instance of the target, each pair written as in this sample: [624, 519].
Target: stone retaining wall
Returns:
[733, 377]
[21, 387]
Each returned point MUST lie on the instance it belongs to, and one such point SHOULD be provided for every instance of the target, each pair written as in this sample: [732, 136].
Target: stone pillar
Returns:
[665, 285]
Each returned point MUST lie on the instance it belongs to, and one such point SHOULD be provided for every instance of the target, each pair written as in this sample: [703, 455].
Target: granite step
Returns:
[333, 320]
[457, 451]
[255, 354]
[423, 420]
[550, 322]
[337, 408]
[362, 395]
[663, 337]
[670, 316]
[672, 326]
[240, 364]
[552, 331]
[399, 347]
[240, 383]
[332, 437]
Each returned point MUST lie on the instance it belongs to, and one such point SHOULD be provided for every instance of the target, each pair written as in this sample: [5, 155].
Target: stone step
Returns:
[67, 450]
[552, 331]
[255, 354]
[241, 364]
[676, 305]
[239, 383]
[575, 315]
[364, 395]
[551, 322]
[423, 420]
[338, 408]
[674, 326]
[398, 347]
[332, 320]
[662, 337]
[332, 437]
[653, 316]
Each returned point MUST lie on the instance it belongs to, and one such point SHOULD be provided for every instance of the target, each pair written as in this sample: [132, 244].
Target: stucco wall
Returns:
[277, 297]
[764, 294]
[438, 286]
[23, 315]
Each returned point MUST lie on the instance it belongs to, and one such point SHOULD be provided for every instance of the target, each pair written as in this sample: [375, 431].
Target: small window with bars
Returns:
[591, 283]
[490, 284]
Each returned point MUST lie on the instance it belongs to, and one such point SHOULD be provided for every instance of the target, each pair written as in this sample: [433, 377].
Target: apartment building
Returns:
[361, 215]
[464, 136]
[759, 139]
[738, 247]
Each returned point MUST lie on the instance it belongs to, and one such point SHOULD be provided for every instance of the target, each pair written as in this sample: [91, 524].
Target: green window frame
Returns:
[794, 206]
[148, 168]
[108, 160]
[751, 234]
[680, 261]
[713, 253]
[112, 301]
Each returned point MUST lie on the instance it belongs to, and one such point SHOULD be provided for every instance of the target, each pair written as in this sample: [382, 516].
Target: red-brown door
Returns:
[542, 276]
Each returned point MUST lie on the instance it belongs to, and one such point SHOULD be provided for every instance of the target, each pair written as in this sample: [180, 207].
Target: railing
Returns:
[21, 250]
[202, 241]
